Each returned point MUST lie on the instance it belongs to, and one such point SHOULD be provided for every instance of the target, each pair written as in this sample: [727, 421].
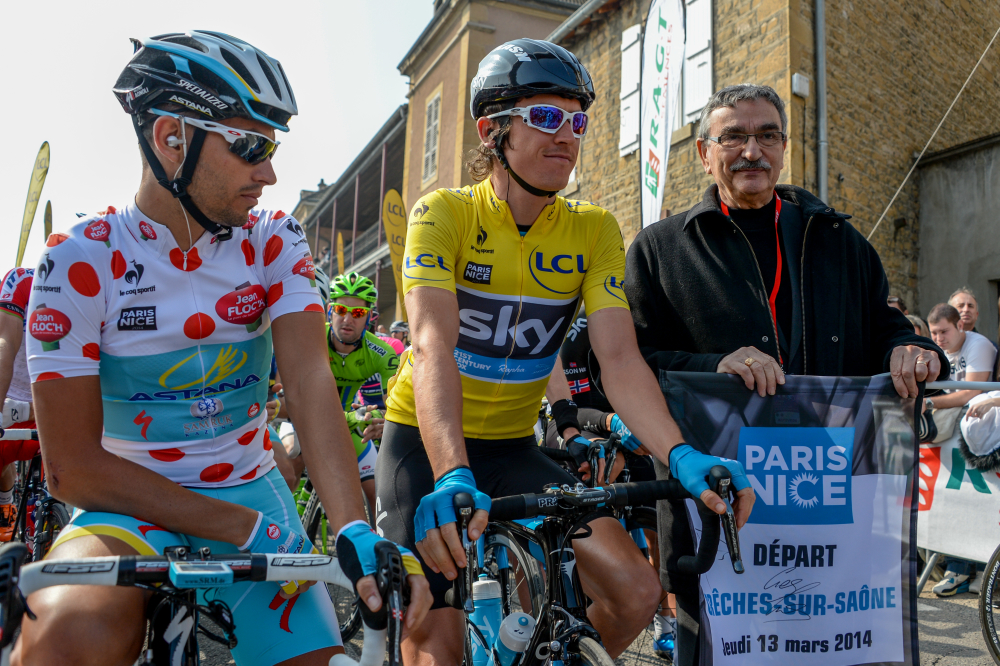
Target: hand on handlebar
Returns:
[579, 447]
[691, 467]
[356, 546]
[437, 537]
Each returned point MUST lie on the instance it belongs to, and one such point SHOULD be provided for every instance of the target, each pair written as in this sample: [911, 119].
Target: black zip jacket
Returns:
[697, 295]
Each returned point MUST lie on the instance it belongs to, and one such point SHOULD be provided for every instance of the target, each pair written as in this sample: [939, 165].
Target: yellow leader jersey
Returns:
[517, 295]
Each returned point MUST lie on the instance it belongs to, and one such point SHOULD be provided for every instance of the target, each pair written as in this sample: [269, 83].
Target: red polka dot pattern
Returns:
[45, 376]
[118, 264]
[193, 260]
[272, 249]
[279, 214]
[55, 239]
[314, 307]
[199, 326]
[92, 351]
[248, 252]
[167, 455]
[252, 473]
[274, 293]
[216, 473]
[267, 440]
[83, 278]
[247, 437]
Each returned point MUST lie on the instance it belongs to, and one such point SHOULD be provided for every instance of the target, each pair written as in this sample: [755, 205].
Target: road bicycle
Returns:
[527, 549]
[175, 578]
[40, 517]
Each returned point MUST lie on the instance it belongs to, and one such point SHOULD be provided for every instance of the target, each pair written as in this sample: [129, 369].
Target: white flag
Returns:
[662, 58]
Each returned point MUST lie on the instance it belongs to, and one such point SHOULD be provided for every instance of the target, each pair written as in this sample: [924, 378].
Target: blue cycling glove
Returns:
[269, 537]
[629, 441]
[691, 467]
[437, 508]
[356, 552]
[578, 446]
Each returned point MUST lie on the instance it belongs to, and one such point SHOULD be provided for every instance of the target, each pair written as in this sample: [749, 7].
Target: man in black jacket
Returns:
[760, 280]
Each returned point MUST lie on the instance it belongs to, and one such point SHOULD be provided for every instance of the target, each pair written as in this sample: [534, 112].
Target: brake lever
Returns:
[460, 594]
[722, 486]
[390, 576]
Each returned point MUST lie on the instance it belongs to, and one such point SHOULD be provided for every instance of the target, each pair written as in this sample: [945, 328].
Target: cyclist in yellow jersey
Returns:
[492, 277]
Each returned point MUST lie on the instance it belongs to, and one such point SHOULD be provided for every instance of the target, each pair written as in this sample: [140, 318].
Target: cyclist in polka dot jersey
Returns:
[149, 349]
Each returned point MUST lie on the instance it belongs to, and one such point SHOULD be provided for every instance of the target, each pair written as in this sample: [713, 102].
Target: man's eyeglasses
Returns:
[251, 146]
[548, 119]
[342, 310]
[767, 139]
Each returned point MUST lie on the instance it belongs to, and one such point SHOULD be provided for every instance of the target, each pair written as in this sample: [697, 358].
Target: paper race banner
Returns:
[830, 566]
[959, 511]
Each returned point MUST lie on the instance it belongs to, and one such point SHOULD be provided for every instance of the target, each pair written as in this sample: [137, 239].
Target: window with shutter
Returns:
[628, 138]
[431, 132]
[697, 76]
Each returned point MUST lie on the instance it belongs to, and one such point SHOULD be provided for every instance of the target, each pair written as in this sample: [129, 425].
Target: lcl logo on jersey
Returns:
[546, 267]
[802, 476]
[424, 261]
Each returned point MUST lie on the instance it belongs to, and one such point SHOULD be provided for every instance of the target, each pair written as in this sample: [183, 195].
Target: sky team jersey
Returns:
[181, 341]
[374, 361]
[14, 294]
[516, 296]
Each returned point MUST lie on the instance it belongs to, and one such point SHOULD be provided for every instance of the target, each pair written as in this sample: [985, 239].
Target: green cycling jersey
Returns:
[372, 357]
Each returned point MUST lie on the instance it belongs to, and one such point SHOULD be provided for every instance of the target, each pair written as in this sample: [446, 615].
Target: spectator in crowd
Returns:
[898, 303]
[965, 302]
[981, 426]
[817, 305]
[919, 327]
[971, 357]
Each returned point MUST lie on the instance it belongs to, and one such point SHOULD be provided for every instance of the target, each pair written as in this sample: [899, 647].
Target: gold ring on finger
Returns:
[749, 362]
[920, 359]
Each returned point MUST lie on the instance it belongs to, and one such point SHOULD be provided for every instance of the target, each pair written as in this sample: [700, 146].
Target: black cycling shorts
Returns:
[403, 476]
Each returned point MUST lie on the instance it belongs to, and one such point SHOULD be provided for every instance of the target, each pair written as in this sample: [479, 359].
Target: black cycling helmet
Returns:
[526, 67]
[212, 74]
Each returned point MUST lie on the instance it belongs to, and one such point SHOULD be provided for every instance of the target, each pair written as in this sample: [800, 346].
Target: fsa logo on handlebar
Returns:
[312, 561]
[96, 567]
[802, 476]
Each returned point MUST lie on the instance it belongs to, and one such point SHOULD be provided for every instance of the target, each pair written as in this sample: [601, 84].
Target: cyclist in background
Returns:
[15, 387]
[149, 361]
[493, 275]
[358, 357]
[581, 412]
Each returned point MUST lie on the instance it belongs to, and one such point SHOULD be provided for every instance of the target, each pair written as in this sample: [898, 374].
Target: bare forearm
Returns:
[437, 391]
[327, 449]
[10, 343]
[956, 399]
[636, 396]
[104, 482]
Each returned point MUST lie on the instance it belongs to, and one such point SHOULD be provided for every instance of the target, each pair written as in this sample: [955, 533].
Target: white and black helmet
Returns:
[214, 74]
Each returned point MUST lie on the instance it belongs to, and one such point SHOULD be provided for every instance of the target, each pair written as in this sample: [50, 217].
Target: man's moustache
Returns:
[743, 164]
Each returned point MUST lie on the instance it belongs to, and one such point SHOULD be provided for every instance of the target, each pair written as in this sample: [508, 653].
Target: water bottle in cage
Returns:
[29, 522]
[486, 597]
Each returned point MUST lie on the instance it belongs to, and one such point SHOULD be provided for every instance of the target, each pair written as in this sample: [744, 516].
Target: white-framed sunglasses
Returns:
[548, 119]
[251, 146]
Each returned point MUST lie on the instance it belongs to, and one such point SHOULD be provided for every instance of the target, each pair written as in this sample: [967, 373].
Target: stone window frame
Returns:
[429, 175]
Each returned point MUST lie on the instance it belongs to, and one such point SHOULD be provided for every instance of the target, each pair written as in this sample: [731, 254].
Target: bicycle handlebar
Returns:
[17, 582]
[9, 434]
[565, 500]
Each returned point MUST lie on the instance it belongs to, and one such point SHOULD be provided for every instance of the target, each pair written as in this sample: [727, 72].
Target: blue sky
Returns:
[63, 58]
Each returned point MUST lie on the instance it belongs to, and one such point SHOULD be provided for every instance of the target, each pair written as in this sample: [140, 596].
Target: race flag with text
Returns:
[830, 548]
[662, 60]
[394, 214]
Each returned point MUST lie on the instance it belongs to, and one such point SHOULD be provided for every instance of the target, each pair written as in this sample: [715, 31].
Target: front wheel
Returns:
[593, 654]
[989, 602]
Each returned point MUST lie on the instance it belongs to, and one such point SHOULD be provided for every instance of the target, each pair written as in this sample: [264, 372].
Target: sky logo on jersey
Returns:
[548, 267]
[49, 326]
[424, 261]
[802, 476]
[509, 338]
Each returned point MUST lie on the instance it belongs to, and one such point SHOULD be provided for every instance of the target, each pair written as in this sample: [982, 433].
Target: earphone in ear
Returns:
[173, 141]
